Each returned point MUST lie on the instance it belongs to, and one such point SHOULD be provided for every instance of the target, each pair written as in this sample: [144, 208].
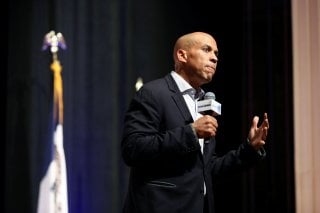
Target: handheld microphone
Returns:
[209, 105]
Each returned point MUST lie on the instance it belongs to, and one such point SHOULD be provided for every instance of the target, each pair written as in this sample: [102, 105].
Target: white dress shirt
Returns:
[191, 97]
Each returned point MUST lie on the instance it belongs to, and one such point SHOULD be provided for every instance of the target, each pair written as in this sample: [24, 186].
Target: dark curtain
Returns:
[110, 43]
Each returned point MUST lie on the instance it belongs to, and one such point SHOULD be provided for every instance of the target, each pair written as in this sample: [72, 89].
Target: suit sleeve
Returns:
[236, 160]
[147, 139]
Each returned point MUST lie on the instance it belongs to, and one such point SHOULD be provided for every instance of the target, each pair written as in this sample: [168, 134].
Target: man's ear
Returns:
[182, 55]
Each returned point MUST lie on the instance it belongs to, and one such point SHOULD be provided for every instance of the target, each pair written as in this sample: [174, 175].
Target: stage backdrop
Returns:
[110, 43]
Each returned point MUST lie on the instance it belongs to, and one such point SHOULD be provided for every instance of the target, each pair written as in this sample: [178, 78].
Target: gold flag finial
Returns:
[54, 41]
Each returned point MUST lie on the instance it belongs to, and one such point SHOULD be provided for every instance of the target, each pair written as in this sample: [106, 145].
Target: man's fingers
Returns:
[265, 120]
[255, 121]
[264, 133]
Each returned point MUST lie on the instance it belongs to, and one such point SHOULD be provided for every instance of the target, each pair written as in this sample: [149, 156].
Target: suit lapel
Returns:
[178, 98]
[181, 104]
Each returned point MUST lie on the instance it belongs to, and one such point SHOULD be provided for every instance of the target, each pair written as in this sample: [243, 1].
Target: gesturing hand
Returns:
[258, 135]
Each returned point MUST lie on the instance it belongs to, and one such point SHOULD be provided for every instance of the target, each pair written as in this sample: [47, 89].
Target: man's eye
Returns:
[206, 49]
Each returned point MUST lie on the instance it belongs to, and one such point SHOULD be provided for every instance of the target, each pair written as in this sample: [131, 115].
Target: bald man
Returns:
[170, 147]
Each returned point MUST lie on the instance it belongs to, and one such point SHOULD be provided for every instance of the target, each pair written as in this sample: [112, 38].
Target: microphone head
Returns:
[209, 95]
[209, 106]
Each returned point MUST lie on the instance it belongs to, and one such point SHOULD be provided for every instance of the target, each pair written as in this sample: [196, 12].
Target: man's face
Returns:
[202, 60]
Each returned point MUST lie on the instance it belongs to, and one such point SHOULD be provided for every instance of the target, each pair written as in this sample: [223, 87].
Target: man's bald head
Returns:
[187, 41]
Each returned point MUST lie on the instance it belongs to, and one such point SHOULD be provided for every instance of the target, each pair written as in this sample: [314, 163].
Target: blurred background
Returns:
[112, 43]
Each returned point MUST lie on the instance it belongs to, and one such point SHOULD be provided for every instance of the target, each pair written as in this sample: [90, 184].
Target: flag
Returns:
[53, 191]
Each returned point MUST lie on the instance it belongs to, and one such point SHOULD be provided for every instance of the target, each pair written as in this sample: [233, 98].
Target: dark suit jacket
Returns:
[167, 168]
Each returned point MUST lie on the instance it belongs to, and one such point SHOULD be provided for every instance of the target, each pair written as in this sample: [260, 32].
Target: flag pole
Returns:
[53, 193]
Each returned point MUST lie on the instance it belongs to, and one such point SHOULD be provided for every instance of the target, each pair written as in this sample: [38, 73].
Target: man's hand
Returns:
[258, 135]
[206, 126]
